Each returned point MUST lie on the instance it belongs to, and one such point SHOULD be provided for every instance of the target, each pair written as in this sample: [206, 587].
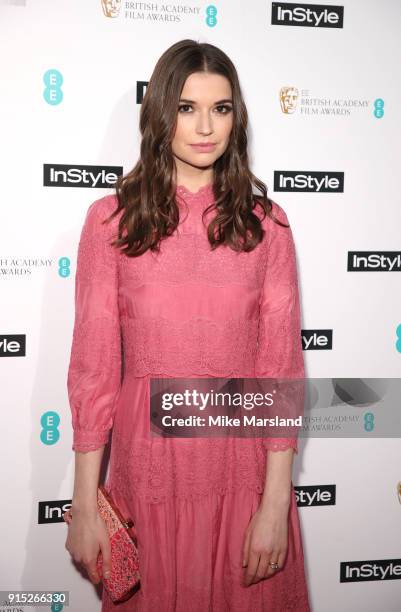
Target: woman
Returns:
[191, 276]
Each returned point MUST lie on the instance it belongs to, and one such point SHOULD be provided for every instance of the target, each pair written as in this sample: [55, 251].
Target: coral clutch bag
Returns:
[124, 575]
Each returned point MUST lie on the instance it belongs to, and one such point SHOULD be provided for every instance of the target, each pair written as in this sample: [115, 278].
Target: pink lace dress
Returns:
[187, 311]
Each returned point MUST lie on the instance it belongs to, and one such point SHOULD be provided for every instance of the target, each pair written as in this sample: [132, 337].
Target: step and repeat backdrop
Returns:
[322, 87]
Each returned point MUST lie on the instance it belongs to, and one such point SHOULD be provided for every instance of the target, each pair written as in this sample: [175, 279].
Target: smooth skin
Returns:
[204, 114]
[208, 119]
[266, 537]
[87, 534]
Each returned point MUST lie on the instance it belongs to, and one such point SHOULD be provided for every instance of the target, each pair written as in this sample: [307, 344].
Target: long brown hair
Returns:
[146, 194]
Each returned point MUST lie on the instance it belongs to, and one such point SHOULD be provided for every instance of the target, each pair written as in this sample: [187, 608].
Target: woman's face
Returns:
[205, 115]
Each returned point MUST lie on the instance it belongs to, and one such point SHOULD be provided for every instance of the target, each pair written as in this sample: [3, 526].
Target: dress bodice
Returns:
[185, 311]
[188, 309]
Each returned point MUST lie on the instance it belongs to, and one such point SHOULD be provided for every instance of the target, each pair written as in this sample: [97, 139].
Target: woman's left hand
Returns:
[266, 541]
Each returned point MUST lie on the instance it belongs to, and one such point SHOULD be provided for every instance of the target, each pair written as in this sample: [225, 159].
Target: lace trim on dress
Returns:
[189, 261]
[158, 345]
[170, 467]
[203, 193]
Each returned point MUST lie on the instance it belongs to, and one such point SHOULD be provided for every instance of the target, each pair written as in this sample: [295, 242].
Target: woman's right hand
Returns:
[87, 536]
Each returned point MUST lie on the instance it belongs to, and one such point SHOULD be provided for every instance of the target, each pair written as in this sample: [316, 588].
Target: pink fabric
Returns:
[185, 312]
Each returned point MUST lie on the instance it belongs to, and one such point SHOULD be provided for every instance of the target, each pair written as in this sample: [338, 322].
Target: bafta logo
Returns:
[288, 99]
[111, 8]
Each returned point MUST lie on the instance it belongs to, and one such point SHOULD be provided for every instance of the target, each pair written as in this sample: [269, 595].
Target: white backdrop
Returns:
[340, 115]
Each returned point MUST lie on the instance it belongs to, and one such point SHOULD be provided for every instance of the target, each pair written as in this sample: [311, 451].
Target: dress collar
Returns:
[203, 194]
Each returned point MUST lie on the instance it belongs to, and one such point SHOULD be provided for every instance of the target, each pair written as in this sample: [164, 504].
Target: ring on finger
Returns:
[274, 565]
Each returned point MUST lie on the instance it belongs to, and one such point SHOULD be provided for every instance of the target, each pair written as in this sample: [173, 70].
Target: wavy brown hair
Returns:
[146, 195]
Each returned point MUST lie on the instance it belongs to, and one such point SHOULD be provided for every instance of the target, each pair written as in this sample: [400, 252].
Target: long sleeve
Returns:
[94, 374]
[279, 341]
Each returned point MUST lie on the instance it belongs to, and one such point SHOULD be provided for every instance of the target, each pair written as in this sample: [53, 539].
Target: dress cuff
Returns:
[84, 441]
[279, 444]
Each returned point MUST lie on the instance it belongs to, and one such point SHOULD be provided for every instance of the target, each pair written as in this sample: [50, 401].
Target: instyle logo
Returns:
[52, 511]
[307, 15]
[374, 261]
[308, 181]
[60, 175]
[12, 345]
[140, 91]
[319, 495]
[317, 339]
[378, 569]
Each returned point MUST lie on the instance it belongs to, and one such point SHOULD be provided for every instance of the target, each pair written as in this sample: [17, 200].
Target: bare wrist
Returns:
[273, 499]
[84, 507]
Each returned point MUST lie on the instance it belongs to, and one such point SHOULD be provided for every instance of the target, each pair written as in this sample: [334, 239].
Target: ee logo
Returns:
[50, 433]
[211, 12]
[369, 421]
[398, 334]
[64, 267]
[53, 81]
[379, 108]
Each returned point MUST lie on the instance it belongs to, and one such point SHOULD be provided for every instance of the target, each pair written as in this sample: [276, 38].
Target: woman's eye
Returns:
[226, 107]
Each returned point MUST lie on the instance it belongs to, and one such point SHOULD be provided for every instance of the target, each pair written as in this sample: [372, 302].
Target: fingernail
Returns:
[107, 574]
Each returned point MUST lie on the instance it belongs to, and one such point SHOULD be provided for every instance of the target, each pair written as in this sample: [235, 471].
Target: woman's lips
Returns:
[203, 148]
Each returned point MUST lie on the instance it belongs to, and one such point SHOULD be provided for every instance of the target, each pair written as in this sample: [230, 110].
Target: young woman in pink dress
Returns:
[216, 519]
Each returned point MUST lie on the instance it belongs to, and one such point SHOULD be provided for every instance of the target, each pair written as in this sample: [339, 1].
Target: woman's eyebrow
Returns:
[193, 101]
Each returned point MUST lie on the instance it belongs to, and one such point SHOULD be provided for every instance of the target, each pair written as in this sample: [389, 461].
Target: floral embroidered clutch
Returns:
[124, 575]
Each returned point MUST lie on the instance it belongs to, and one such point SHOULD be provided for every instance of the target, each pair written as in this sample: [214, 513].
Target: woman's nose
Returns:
[205, 124]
